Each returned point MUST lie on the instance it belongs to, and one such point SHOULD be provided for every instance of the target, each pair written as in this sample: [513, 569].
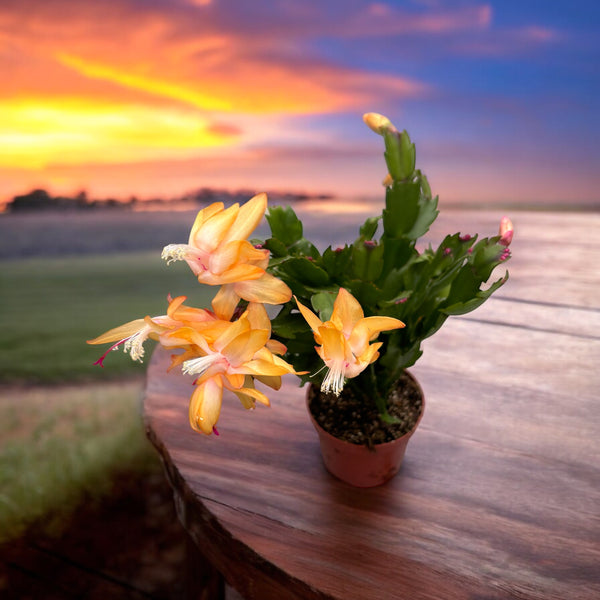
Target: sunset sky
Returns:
[158, 97]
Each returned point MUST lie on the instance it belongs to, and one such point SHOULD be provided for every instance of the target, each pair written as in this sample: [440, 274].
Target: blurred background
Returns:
[119, 119]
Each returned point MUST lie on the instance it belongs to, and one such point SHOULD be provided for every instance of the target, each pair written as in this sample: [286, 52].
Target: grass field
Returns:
[69, 428]
[64, 445]
[49, 307]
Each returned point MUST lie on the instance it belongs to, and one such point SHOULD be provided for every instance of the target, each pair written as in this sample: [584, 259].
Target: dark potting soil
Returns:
[350, 419]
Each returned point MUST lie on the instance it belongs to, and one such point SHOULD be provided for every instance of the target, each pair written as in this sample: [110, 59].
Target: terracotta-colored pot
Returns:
[357, 464]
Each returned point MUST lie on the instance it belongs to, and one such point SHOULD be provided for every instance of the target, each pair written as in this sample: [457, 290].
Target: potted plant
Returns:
[334, 307]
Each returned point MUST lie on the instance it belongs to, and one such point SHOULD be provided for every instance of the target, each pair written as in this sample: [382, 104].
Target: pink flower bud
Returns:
[505, 255]
[465, 238]
[506, 231]
[447, 251]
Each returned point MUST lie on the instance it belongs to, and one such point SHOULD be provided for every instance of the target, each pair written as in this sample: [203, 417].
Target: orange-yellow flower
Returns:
[344, 340]
[218, 253]
[133, 335]
[233, 360]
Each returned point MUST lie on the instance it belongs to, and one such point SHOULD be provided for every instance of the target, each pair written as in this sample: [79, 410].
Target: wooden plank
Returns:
[537, 316]
[512, 358]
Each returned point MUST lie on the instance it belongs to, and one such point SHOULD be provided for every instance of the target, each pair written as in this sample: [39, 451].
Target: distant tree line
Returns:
[40, 199]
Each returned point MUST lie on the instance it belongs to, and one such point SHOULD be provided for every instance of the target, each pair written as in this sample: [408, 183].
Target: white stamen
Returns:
[135, 344]
[198, 366]
[174, 252]
[334, 380]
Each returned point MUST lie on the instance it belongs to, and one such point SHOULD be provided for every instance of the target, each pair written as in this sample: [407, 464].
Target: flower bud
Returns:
[378, 123]
[506, 231]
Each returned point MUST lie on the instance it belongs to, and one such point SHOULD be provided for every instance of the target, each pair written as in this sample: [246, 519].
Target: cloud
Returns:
[381, 19]
[35, 134]
[192, 55]
[509, 41]
[253, 85]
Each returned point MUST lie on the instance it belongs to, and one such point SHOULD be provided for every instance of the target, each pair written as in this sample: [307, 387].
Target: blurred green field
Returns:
[49, 307]
[68, 428]
[63, 445]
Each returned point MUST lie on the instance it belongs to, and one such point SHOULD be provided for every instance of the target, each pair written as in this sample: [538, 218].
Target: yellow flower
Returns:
[133, 335]
[237, 356]
[218, 253]
[344, 339]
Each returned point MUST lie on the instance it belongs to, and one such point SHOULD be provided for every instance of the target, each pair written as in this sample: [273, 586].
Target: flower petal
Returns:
[226, 256]
[313, 321]
[347, 311]
[243, 348]
[233, 330]
[119, 333]
[367, 329]
[213, 229]
[203, 216]
[332, 343]
[272, 381]
[266, 289]
[249, 216]
[261, 367]
[247, 397]
[225, 302]
[258, 317]
[205, 405]
[239, 272]
[276, 347]
[235, 381]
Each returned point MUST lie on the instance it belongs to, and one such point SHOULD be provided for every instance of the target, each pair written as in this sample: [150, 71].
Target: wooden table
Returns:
[499, 494]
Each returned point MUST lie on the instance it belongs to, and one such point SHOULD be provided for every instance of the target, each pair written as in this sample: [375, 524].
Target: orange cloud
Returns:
[154, 85]
[182, 81]
[251, 85]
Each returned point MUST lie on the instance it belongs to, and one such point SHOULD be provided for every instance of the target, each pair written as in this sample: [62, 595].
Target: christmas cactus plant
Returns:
[384, 271]
[341, 299]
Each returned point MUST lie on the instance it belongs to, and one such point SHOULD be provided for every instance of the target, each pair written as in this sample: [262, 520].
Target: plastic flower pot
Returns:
[357, 464]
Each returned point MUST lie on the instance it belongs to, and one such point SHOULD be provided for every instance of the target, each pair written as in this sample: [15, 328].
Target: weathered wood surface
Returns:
[499, 494]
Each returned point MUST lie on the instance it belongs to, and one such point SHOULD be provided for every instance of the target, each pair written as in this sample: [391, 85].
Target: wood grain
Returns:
[499, 493]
